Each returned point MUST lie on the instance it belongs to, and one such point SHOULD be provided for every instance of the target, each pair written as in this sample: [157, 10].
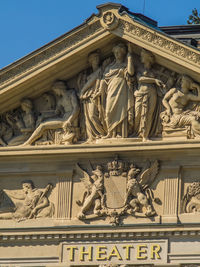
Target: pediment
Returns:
[67, 57]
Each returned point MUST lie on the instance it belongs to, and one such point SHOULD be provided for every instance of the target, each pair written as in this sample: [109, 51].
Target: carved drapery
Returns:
[118, 98]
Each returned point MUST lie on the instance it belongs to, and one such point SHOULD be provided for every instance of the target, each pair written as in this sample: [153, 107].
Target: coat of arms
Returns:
[117, 189]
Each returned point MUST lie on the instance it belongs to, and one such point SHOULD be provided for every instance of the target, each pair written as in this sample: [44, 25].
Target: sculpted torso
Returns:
[114, 68]
[28, 120]
[178, 101]
[145, 85]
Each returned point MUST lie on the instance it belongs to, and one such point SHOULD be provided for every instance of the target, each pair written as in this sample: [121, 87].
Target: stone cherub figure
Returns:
[93, 197]
[137, 196]
[176, 101]
[35, 203]
[67, 111]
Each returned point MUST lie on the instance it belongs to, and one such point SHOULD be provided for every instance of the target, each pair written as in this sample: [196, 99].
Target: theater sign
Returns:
[127, 252]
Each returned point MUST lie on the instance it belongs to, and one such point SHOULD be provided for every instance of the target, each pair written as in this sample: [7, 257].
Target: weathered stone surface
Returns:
[100, 148]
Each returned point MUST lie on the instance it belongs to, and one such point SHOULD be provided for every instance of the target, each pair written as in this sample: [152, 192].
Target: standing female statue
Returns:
[146, 98]
[119, 95]
[92, 105]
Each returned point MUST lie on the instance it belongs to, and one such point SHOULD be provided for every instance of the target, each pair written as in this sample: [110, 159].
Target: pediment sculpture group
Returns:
[124, 96]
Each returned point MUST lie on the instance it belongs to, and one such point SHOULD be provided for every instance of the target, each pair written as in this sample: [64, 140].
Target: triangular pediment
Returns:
[66, 56]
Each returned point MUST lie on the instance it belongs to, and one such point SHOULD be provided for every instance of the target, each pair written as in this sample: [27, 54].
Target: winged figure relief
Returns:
[92, 201]
[139, 196]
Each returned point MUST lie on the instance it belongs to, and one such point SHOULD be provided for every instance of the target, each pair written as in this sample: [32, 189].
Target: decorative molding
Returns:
[62, 236]
[170, 203]
[64, 195]
[49, 53]
[110, 20]
[159, 40]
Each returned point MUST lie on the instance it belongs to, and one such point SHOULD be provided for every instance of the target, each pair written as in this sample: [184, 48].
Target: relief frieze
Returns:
[28, 203]
[122, 96]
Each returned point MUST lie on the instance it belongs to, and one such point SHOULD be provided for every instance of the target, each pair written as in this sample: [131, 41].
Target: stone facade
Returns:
[100, 148]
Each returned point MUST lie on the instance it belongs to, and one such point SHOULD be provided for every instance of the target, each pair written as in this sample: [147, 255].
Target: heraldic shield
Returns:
[115, 191]
[115, 183]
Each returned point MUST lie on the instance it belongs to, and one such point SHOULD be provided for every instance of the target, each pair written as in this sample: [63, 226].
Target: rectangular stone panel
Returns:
[126, 252]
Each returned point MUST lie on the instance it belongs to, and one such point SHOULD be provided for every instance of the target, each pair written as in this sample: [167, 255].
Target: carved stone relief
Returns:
[115, 190]
[32, 203]
[182, 109]
[88, 86]
[191, 200]
[109, 20]
[122, 96]
[147, 106]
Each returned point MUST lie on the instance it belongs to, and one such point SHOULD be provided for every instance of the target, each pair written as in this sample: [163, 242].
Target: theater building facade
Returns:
[100, 148]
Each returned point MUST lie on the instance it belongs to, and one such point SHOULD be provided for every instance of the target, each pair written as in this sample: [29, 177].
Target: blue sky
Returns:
[26, 25]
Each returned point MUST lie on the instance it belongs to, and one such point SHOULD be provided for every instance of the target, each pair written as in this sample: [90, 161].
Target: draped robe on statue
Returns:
[147, 107]
[119, 100]
[92, 108]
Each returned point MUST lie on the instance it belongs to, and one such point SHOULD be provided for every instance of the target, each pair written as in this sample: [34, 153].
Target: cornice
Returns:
[129, 145]
[157, 41]
[163, 42]
[49, 53]
[113, 234]
[128, 24]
